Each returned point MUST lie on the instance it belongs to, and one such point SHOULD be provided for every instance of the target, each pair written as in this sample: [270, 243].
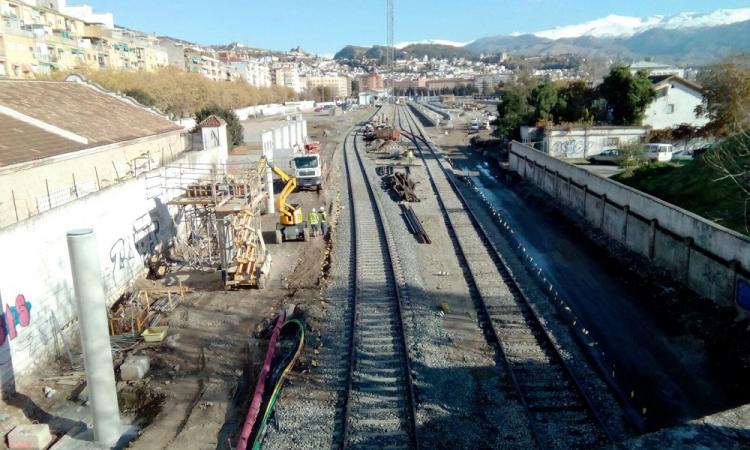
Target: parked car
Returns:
[683, 155]
[609, 156]
[658, 152]
[318, 109]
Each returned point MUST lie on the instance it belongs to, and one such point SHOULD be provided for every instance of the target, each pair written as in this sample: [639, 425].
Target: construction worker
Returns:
[323, 221]
[313, 219]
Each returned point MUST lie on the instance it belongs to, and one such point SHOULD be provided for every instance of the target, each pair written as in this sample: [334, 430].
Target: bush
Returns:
[234, 127]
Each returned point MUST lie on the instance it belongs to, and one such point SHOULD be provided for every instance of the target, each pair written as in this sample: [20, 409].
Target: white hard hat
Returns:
[313, 210]
[322, 208]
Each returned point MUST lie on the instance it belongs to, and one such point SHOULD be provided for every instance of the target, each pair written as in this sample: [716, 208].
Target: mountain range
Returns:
[686, 37]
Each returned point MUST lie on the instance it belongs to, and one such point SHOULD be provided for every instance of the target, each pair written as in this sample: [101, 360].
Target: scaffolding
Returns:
[220, 211]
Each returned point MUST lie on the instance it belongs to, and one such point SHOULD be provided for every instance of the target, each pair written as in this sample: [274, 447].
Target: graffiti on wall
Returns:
[14, 317]
[743, 294]
[567, 149]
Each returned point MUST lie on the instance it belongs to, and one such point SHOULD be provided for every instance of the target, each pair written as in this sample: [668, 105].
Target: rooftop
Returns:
[47, 118]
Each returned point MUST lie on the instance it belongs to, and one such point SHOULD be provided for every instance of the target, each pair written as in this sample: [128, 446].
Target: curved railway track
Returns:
[560, 412]
[378, 409]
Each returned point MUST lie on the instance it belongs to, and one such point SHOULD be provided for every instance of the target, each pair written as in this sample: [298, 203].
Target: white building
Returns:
[579, 141]
[675, 103]
[656, 69]
[254, 73]
[287, 76]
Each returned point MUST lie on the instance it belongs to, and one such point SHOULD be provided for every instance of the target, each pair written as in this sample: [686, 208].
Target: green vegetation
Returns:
[620, 100]
[627, 95]
[699, 187]
[234, 127]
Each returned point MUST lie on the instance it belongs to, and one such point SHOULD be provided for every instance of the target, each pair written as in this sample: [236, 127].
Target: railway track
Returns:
[560, 413]
[379, 405]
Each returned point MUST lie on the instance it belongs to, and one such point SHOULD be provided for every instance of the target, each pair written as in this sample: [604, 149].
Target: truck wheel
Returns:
[277, 237]
[319, 188]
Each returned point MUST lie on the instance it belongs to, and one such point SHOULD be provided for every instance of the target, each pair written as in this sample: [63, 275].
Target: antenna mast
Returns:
[389, 51]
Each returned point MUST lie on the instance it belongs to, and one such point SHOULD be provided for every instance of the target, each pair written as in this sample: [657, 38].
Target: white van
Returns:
[658, 152]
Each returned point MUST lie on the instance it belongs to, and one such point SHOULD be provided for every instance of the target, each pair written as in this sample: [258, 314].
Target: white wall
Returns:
[585, 142]
[710, 259]
[684, 100]
[131, 220]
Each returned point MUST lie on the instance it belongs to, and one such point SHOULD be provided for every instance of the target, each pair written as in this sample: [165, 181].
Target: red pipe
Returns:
[260, 386]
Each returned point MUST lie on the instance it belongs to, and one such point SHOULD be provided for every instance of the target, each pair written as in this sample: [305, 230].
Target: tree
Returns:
[576, 103]
[726, 99]
[512, 111]
[544, 100]
[627, 95]
[234, 127]
[730, 159]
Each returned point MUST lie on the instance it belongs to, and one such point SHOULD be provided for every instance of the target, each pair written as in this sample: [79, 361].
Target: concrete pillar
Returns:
[267, 142]
[92, 317]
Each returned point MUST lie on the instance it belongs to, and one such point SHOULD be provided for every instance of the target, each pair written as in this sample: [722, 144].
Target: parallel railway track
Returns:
[560, 412]
[378, 408]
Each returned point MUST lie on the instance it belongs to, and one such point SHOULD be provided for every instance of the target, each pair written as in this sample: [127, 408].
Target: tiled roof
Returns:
[657, 80]
[21, 142]
[81, 109]
[77, 108]
[212, 121]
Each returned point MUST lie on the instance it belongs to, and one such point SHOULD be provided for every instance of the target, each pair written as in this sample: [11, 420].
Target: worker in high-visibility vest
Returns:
[323, 221]
[312, 218]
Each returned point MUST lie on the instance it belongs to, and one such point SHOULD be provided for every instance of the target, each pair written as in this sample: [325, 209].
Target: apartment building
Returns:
[371, 82]
[252, 72]
[340, 85]
[288, 76]
[38, 37]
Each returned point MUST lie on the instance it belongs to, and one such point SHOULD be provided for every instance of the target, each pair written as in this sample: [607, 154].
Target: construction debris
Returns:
[402, 186]
[414, 224]
[30, 437]
[134, 368]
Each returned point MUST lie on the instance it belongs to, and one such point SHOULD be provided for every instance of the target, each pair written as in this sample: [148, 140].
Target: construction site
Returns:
[343, 280]
[385, 275]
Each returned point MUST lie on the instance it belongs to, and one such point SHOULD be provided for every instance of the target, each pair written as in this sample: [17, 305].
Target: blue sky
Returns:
[324, 26]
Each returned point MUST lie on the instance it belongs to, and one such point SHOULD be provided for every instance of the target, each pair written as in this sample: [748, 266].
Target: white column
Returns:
[92, 317]
[267, 142]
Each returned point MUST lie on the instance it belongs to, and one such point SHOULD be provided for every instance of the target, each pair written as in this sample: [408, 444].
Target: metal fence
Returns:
[17, 204]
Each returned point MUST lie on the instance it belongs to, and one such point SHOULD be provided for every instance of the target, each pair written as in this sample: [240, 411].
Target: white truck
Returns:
[308, 170]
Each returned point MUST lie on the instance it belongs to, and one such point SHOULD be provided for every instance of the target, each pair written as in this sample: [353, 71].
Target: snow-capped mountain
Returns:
[402, 45]
[626, 26]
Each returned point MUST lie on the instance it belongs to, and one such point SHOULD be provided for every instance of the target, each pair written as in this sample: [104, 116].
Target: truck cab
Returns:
[308, 170]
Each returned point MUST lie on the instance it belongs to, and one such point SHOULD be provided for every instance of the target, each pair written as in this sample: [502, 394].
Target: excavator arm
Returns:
[286, 209]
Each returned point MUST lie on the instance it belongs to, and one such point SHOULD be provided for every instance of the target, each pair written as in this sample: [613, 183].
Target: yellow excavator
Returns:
[292, 225]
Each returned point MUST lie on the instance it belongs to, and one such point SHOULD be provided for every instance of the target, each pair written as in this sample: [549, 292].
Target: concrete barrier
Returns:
[429, 117]
[710, 259]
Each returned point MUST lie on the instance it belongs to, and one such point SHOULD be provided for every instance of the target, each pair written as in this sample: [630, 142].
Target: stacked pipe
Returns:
[414, 224]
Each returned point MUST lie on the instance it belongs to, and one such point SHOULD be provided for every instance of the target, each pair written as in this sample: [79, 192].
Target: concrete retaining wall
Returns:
[712, 260]
[430, 117]
[131, 220]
